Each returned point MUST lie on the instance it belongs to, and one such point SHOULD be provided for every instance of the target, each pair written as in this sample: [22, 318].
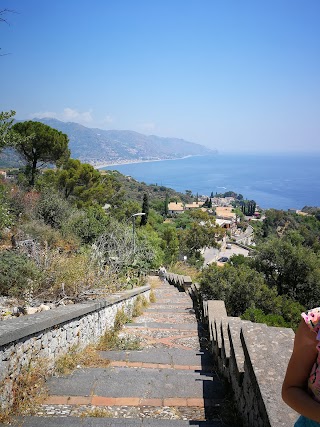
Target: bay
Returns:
[273, 181]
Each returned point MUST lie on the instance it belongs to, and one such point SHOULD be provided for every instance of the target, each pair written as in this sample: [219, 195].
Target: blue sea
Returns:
[273, 181]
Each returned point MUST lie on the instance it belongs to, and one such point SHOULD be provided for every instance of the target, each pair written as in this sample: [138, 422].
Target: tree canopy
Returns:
[40, 143]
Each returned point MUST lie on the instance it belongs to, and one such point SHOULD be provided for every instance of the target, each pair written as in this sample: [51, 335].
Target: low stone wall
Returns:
[183, 283]
[253, 358]
[49, 335]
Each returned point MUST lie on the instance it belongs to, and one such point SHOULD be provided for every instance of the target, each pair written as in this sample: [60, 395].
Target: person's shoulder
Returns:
[312, 319]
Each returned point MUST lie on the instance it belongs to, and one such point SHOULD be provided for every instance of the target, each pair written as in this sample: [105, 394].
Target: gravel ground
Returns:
[165, 412]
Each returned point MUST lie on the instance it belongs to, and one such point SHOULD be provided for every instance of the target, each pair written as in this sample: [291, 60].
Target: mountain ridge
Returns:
[100, 146]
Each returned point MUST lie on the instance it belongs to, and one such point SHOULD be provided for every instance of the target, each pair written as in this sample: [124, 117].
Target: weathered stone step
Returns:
[163, 325]
[170, 356]
[142, 382]
[177, 309]
[109, 422]
[168, 317]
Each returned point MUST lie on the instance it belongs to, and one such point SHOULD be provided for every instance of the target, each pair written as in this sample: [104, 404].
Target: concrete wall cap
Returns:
[14, 329]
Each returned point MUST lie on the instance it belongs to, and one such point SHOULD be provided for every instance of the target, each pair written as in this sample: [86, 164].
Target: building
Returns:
[225, 213]
[175, 208]
[193, 205]
[224, 223]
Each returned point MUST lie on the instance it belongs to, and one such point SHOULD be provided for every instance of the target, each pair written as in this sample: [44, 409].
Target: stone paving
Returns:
[170, 381]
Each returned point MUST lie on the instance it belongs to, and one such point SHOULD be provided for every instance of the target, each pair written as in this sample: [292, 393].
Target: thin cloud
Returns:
[44, 115]
[68, 115]
[73, 115]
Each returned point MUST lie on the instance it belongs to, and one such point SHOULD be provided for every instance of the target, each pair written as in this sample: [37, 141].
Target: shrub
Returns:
[53, 209]
[17, 274]
[46, 235]
[239, 287]
[258, 316]
[6, 219]
[74, 272]
[87, 224]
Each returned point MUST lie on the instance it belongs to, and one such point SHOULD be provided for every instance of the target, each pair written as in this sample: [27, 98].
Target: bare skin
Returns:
[295, 384]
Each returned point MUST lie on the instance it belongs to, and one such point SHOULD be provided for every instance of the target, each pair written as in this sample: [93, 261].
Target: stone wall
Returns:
[253, 358]
[50, 334]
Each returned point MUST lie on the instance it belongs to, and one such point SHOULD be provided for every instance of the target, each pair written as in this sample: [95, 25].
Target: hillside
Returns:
[135, 190]
[98, 146]
[110, 146]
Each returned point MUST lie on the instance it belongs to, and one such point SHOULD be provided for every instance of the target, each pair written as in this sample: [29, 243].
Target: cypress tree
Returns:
[166, 204]
[145, 209]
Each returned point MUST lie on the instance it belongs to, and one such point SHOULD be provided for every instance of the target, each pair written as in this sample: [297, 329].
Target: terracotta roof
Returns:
[173, 206]
[225, 212]
[193, 205]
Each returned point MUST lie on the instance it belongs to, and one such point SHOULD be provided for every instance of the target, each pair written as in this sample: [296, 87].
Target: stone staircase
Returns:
[171, 381]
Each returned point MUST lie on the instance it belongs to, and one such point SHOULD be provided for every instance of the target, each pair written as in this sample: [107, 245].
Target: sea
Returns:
[286, 181]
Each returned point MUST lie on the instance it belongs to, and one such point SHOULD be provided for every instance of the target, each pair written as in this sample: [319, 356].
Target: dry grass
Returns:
[29, 390]
[121, 318]
[5, 416]
[88, 358]
[152, 296]
[96, 412]
[140, 303]
[112, 341]
[185, 270]
[154, 281]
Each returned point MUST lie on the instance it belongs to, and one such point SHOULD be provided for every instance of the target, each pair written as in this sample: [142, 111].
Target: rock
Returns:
[31, 310]
[18, 311]
[44, 307]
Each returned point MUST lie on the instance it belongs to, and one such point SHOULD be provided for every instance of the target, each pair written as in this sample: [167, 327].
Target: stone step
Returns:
[176, 309]
[172, 316]
[125, 382]
[109, 422]
[170, 383]
[162, 325]
[170, 356]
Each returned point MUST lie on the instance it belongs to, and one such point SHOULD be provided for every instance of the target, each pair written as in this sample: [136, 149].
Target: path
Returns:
[170, 382]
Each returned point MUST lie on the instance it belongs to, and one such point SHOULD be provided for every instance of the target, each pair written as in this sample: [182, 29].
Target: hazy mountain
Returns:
[107, 146]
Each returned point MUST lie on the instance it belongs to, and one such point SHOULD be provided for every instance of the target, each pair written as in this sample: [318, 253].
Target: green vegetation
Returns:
[280, 280]
[18, 273]
[111, 339]
[40, 143]
[6, 122]
[67, 229]
[66, 233]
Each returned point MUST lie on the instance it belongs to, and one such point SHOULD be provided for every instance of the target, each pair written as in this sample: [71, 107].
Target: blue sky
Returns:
[236, 75]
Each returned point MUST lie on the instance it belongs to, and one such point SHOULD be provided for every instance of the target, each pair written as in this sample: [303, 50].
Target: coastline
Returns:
[129, 162]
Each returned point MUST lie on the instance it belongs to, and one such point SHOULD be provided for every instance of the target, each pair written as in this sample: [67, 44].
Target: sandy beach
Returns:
[98, 165]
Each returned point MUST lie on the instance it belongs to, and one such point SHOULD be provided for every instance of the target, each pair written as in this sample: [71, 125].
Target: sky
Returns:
[234, 75]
